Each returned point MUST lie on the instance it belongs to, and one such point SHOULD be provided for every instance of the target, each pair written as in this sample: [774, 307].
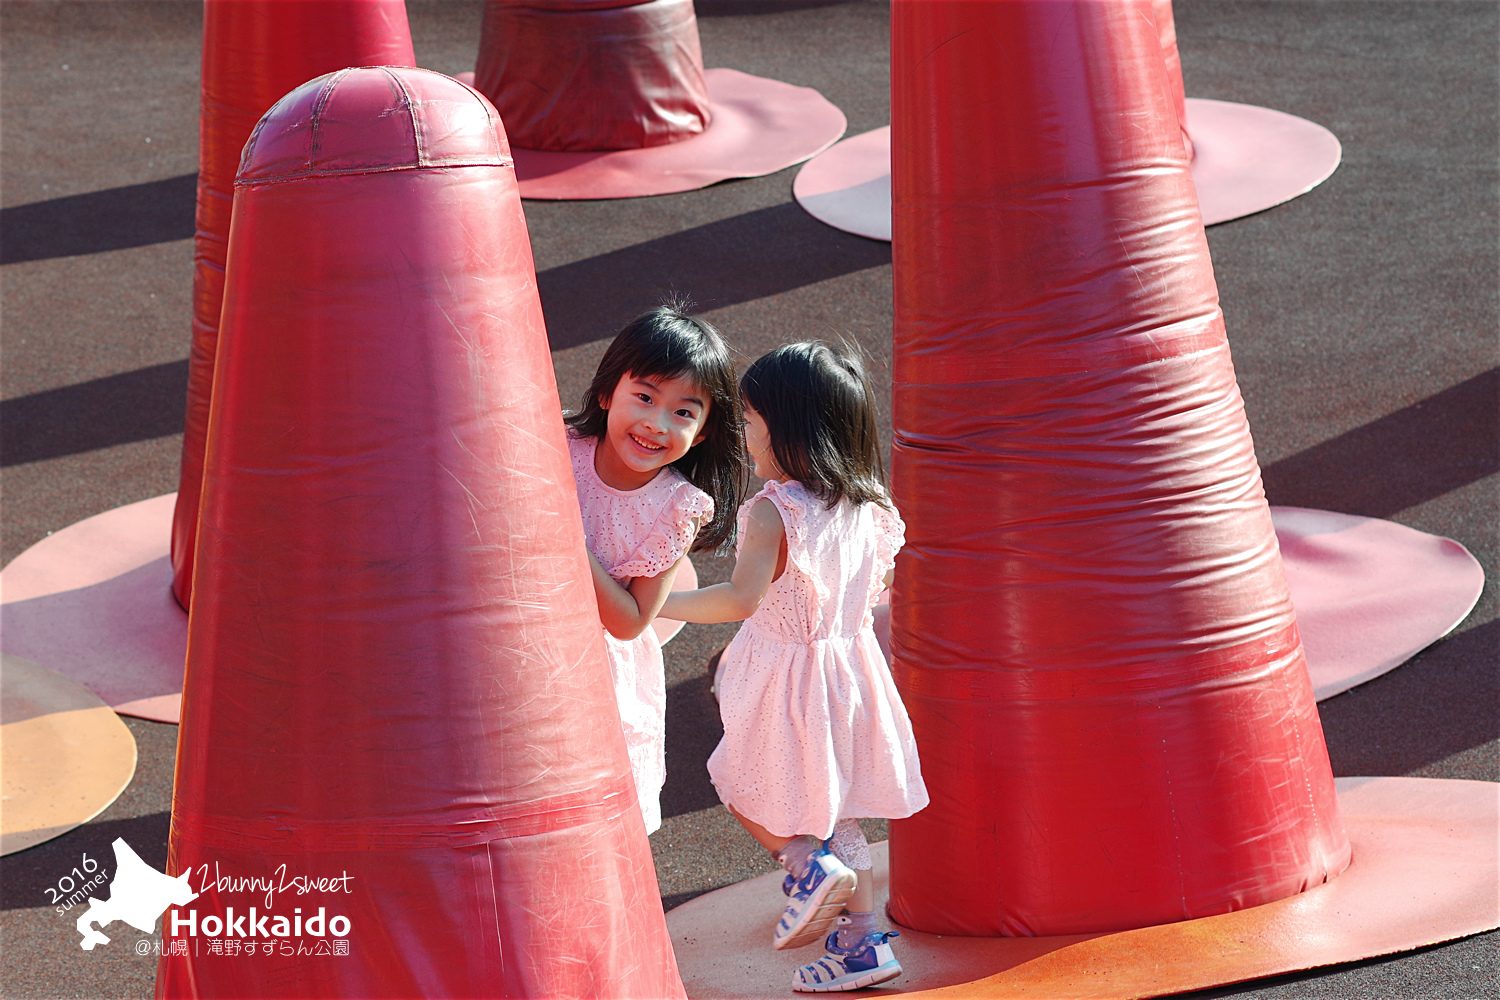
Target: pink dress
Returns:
[814, 730]
[636, 533]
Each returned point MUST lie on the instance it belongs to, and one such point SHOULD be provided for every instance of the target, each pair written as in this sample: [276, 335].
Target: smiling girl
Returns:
[658, 462]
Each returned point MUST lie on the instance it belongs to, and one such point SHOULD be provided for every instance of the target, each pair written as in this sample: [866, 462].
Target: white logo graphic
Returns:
[137, 895]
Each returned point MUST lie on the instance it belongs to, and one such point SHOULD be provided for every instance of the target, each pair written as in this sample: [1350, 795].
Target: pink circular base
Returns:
[1423, 871]
[759, 126]
[94, 603]
[1247, 159]
[1369, 594]
[849, 185]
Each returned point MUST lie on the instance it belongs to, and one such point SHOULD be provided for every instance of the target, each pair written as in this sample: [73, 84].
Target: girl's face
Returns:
[652, 422]
[758, 444]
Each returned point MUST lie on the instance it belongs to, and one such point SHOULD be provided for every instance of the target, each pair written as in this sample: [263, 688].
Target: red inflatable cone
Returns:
[1166, 33]
[254, 51]
[1090, 623]
[1245, 158]
[400, 770]
[593, 74]
[609, 99]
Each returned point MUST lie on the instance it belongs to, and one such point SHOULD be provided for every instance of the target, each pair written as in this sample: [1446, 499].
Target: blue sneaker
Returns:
[815, 901]
[869, 962]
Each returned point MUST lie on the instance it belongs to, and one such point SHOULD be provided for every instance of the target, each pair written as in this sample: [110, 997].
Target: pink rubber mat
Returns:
[1248, 159]
[1369, 594]
[94, 603]
[1424, 871]
[848, 186]
[759, 126]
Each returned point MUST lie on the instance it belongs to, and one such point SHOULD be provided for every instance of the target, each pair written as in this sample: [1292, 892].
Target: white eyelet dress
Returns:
[814, 729]
[638, 533]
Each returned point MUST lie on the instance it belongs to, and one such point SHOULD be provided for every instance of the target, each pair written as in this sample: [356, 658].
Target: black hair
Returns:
[819, 410]
[668, 343]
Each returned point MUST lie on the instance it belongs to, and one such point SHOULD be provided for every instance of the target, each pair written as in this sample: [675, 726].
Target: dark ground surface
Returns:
[1363, 318]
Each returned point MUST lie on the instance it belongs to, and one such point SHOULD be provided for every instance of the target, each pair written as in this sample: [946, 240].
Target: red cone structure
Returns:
[398, 710]
[593, 74]
[254, 51]
[1091, 628]
[609, 99]
[1166, 33]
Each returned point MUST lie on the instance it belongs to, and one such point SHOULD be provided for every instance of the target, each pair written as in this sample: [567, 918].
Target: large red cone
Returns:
[1166, 33]
[254, 51]
[593, 74]
[1091, 628]
[396, 671]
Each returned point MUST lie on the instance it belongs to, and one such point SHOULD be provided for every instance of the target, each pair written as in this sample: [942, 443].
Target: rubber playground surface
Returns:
[1362, 315]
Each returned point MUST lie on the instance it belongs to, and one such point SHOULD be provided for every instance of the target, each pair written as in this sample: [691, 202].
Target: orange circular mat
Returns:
[1424, 871]
[64, 754]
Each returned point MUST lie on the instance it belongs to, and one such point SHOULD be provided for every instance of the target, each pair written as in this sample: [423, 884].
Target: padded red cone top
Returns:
[254, 51]
[396, 678]
[584, 75]
[1091, 628]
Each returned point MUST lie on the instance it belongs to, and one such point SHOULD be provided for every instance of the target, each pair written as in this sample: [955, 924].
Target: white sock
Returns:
[859, 925]
[796, 853]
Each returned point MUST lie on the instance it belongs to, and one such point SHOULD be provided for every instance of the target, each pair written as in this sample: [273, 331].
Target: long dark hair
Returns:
[819, 410]
[668, 343]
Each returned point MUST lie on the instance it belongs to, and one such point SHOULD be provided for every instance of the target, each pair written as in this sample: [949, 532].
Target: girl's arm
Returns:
[754, 570]
[627, 611]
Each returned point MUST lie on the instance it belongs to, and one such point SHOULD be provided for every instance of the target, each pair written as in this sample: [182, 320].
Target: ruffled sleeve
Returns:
[686, 509]
[890, 536]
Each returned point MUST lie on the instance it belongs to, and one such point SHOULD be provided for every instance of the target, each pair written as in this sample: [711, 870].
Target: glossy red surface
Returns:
[759, 126]
[395, 668]
[1166, 32]
[254, 51]
[1091, 627]
[590, 77]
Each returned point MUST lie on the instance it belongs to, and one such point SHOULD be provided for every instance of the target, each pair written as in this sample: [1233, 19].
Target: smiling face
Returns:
[652, 422]
[758, 444]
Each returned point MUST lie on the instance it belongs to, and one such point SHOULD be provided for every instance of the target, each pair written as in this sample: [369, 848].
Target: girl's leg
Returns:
[858, 955]
[766, 838]
[792, 853]
[848, 844]
[863, 900]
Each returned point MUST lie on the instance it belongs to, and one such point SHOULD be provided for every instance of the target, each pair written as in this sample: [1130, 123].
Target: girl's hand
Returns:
[761, 560]
[627, 609]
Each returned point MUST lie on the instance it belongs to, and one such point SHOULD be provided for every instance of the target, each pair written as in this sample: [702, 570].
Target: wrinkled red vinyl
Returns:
[579, 75]
[254, 51]
[1166, 32]
[396, 674]
[1091, 628]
